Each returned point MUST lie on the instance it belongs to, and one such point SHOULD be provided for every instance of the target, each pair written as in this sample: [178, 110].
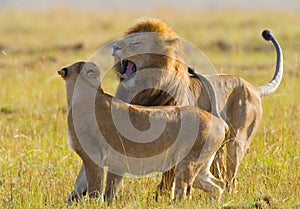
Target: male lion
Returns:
[238, 101]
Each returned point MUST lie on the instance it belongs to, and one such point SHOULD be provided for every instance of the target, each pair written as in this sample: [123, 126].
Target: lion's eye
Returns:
[136, 43]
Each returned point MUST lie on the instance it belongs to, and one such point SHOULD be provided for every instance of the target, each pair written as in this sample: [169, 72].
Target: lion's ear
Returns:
[172, 41]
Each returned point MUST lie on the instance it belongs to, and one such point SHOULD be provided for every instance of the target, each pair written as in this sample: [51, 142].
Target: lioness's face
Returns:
[84, 68]
[142, 50]
[87, 71]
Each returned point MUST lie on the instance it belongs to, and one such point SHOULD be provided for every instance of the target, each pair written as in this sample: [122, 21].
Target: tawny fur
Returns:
[238, 100]
[209, 137]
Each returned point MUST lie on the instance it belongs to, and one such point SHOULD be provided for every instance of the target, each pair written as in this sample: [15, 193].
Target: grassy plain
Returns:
[37, 167]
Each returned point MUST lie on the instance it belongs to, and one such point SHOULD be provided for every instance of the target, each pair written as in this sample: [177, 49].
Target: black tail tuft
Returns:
[267, 34]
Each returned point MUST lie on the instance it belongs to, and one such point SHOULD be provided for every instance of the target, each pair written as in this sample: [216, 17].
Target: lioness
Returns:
[87, 102]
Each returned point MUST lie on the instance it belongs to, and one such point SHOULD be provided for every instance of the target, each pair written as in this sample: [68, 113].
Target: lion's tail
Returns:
[270, 87]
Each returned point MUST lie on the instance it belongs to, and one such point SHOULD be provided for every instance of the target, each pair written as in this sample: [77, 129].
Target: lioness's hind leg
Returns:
[186, 173]
[207, 182]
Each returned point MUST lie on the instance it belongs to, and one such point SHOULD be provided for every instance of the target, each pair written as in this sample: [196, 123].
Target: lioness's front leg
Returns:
[94, 176]
[112, 185]
[80, 187]
[81, 184]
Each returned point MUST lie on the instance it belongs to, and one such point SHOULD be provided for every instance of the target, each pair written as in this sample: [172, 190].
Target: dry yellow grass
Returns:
[38, 169]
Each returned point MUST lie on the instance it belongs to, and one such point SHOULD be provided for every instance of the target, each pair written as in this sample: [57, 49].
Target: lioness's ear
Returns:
[93, 72]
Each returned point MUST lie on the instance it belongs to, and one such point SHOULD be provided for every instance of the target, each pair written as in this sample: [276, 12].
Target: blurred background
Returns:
[39, 37]
[131, 5]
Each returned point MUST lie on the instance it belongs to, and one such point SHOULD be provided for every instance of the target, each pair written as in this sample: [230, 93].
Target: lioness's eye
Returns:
[136, 43]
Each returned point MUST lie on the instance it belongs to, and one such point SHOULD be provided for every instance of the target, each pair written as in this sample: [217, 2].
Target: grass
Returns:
[37, 167]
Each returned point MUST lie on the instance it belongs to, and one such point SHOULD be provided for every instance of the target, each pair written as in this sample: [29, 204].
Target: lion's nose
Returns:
[115, 48]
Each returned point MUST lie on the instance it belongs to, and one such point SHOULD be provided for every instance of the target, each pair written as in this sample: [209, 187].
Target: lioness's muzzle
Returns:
[62, 72]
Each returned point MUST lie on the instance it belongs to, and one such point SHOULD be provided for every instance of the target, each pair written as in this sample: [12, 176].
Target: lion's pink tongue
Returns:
[130, 69]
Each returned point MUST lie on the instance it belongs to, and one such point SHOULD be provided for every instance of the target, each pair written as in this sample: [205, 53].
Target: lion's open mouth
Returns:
[128, 68]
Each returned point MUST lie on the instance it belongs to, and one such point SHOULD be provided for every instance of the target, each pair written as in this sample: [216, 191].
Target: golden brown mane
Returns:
[146, 24]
